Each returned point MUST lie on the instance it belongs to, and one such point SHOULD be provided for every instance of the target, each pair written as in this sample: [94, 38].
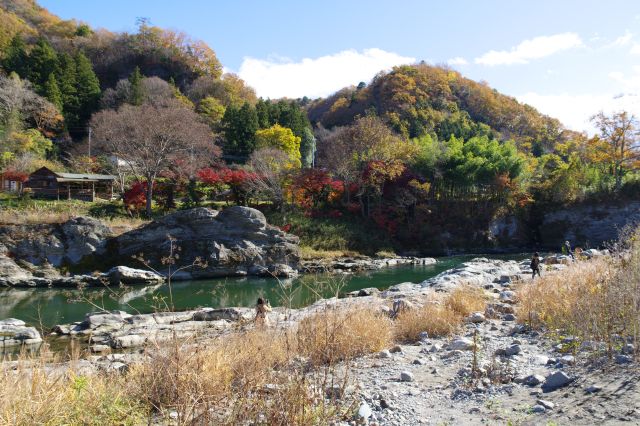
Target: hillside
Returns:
[420, 99]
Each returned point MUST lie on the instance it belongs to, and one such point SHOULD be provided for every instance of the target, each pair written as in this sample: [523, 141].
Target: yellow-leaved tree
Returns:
[283, 139]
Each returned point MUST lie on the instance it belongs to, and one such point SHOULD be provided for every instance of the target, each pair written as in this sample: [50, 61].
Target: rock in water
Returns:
[236, 241]
[128, 276]
[14, 332]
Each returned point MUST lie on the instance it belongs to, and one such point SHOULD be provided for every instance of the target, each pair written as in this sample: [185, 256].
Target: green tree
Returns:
[137, 91]
[281, 138]
[16, 58]
[307, 147]
[43, 61]
[87, 88]
[52, 91]
[67, 82]
[240, 127]
[212, 110]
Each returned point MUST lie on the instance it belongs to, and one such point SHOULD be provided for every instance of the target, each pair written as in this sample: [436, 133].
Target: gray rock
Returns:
[546, 404]
[419, 361]
[593, 389]
[568, 360]
[623, 359]
[533, 380]
[628, 349]
[538, 409]
[476, 318]
[209, 314]
[365, 411]
[555, 381]
[512, 350]
[56, 244]
[14, 332]
[237, 238]
[406, 376]
[384, 354]
[508, 317]
[128, 341]
[130, 276]
[461, 344]
[397, 349]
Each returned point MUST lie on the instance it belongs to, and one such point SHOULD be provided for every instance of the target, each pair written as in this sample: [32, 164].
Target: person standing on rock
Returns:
[535, 265]
[567, 247]
[262, 308]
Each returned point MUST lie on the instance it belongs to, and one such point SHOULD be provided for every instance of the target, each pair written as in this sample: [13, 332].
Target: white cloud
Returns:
[534, 48]
[635, 49]
[574, 111]
[622, 40]
[458, 60]
[276, 77]
[630, 82]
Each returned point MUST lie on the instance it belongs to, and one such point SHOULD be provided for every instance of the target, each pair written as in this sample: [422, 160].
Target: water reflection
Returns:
[56, 306]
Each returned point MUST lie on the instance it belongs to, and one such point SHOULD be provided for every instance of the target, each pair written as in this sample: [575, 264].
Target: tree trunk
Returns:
[149, 196]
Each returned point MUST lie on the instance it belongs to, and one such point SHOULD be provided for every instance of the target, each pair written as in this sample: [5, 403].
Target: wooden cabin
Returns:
[45, 183]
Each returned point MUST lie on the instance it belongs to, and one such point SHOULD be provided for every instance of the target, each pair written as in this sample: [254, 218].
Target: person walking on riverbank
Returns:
[262, 308]
[535, 265]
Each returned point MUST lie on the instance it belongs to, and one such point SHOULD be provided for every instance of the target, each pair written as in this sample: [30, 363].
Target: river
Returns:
[48, 307]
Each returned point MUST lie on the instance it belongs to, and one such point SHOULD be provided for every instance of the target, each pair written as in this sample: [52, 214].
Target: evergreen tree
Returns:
[87, 88]
[67, 82]
[240, 131]
[52, 91]
[137, 91]
[16, 58]
[43, 61]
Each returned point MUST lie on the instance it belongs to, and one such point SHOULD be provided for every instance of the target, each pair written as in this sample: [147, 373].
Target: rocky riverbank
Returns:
[494, 371]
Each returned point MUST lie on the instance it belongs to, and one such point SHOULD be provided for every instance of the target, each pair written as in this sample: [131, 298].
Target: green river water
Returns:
[48, 307]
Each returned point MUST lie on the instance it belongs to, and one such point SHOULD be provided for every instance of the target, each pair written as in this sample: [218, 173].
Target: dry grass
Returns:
[466, 299]
[309, 253]
[337, 335]
[593, 300]
[434, 318]
[441, 315]
[36, 394]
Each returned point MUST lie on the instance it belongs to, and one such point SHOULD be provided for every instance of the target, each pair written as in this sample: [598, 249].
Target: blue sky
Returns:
[568, 58]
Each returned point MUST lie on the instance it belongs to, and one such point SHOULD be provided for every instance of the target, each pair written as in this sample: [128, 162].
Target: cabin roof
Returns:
[75, 177]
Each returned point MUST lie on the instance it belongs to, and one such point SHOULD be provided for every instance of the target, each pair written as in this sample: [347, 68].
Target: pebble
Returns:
[623, 359]
[513, 350]
[538, 409]
[461, 344]
[384, 354]
[533, 380]
[556, 380]
[593, 389]
[546, 404]
[364, 412]
[406, 376]
[568, 359]
[508, 317]
[477, 318]
[397, 349]
[419, 361]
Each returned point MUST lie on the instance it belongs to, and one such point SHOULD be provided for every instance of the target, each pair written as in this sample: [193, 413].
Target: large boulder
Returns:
[236, 241]
[14, 332]
[56, 244]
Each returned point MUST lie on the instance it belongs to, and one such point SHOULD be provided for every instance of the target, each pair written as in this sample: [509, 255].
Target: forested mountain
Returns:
[418, 149]
[421, 99]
